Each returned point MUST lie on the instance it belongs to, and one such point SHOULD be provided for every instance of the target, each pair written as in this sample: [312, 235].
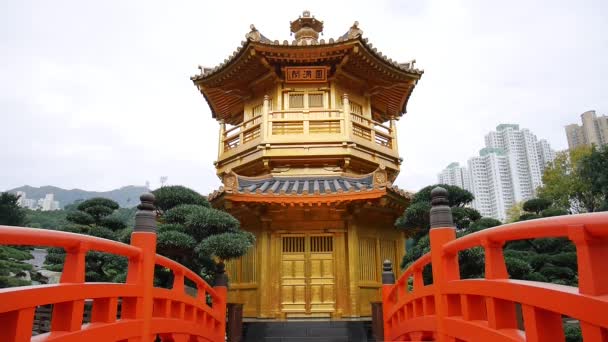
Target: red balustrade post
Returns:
[67, 316]
[501, 313]
[141, 271]
[591, 255]
[220, 286]
[388, 283]
[445, 267]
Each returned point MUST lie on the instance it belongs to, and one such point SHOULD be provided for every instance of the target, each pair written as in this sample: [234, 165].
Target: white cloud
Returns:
[97, 95]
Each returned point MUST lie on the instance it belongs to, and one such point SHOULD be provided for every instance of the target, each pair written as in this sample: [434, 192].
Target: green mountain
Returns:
[126, 197]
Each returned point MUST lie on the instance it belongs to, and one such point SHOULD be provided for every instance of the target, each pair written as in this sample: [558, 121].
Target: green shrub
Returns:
[179, 214]
[11, 281]
[80, 217]
[573, 333]
[113, 223]
[166, 227]
[517, 268]
[98, 201]
[226, 246]
[168, 197]
[102, 232]
[207, 222]
[173, 239]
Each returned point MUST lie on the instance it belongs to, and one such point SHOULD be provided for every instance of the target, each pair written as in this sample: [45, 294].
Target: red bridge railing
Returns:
[454, 309]
[146, 311]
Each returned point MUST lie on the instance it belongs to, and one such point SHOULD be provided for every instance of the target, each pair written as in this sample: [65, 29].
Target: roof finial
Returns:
[254, 34]
[306, 29]
[354, 31]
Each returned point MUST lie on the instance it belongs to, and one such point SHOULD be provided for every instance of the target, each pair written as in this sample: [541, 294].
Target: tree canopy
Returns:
[536, 205]
[593, 170]
[10, 212]
[568, 184]
[94, 217]
[416, 220]
[168, 197]
[416, 216]
[196, 235]
[547, 260]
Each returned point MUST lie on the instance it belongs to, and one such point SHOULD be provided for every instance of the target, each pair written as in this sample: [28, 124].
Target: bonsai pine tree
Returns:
[194, 234]
[547, 260]
[416, 221]
[94, 217]
[416, 217]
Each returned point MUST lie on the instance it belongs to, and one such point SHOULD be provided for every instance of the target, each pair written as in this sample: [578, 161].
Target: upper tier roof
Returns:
[326, 189]
[257, 63]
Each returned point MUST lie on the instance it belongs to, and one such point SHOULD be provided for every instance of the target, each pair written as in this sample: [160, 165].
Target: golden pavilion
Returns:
[307, 156]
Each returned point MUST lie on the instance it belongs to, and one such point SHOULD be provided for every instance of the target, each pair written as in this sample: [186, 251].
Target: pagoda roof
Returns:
[309, 189]
[258, 61]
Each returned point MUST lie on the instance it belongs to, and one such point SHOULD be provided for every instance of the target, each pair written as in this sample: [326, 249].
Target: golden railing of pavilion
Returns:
[309, 125]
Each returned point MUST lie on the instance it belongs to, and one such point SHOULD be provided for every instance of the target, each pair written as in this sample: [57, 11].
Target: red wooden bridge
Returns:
[146, 311]
[454, 309]
[450, 309]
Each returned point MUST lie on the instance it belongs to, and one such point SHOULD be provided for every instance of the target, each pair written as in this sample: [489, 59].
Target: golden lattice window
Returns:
[368, 263]
[321, 244]
[257, 110]
[296, 100]
[388, 251]
[293, 244]
[315, 100]
[356, 108]
[245, 268]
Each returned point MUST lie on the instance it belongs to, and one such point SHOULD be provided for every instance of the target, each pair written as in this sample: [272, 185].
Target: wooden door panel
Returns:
[293, 275]
[307, 276]
[322, 278]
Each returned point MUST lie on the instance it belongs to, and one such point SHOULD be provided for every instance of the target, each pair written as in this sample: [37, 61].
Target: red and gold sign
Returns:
[305, 74]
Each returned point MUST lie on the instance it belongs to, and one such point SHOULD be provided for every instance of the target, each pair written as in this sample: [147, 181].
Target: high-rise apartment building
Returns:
[25, 202]
[594, 130]
[455, 174]
[491, 182]
[48, 203]
[508, 170]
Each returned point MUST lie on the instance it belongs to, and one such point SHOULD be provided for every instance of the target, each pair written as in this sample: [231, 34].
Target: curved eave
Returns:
[392, 65]
[256, 57]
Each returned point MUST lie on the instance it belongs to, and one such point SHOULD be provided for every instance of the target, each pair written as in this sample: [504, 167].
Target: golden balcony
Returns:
[289, 137]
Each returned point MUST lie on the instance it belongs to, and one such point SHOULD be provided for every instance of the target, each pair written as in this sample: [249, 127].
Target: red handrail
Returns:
[484, 309]
[145, 311]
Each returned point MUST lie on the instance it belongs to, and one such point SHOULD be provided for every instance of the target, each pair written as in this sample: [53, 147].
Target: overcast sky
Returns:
[97, 95]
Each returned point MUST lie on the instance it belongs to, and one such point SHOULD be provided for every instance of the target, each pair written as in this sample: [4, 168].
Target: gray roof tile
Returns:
[304, 185]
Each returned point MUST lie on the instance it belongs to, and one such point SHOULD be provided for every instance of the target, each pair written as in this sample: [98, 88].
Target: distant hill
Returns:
[126, 197]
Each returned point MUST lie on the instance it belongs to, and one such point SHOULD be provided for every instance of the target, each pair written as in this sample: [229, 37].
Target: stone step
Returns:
[301, 331]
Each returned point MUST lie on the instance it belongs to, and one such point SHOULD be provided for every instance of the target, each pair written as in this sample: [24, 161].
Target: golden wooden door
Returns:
[321, 280]
[307, 276]
[293, 275]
